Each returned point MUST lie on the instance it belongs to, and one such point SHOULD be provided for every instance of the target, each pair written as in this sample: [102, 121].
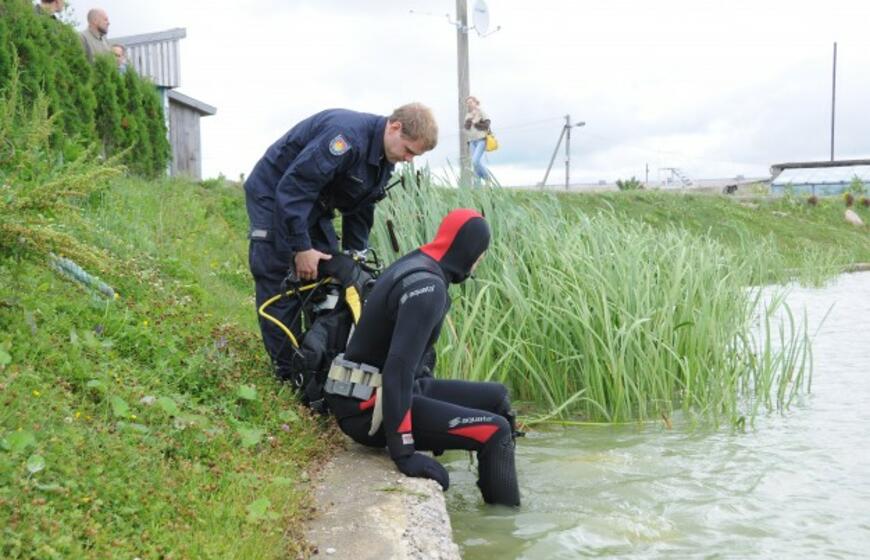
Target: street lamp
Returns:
[566, 134]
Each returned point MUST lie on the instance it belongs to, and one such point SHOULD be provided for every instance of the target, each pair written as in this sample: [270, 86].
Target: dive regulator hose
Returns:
[294, 291]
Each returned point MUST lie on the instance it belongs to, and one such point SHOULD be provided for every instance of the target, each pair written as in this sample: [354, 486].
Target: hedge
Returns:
[91, 102]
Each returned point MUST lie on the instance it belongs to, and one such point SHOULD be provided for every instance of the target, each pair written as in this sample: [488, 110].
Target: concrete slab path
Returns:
[368, 510]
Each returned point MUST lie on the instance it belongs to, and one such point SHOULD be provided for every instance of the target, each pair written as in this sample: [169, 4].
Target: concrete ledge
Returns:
[366, 509]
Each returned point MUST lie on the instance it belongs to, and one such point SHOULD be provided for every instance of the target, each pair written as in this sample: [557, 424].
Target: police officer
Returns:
[334, 160]
[400, 322]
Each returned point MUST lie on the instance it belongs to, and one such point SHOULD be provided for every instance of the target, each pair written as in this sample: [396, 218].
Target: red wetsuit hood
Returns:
[462, 237]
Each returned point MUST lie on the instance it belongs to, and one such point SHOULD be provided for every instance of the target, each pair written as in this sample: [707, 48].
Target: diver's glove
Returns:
[423, 466]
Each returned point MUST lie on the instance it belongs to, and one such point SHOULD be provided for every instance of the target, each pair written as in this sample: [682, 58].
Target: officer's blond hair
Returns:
[418, 123]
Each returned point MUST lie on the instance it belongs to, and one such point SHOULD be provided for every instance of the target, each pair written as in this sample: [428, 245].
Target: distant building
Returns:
[818, 178]
[156, 56]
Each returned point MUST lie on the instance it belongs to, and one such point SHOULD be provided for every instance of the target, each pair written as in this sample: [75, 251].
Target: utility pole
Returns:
[464, 88]
[833, 100]
[481, 26]
[646, 180]
[567, 151]
[566, 133]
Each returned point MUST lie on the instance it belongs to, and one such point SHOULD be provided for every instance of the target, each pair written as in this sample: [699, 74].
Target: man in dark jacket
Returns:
[400, 323]
[335, 160]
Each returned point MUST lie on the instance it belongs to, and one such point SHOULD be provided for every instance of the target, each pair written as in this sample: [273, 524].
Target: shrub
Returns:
[107, 86]
[849, 199]
[152, 108]
[629, 184]
[52, 62]
[137, 128]
[88, 102]
[6, 55]
[38, 192]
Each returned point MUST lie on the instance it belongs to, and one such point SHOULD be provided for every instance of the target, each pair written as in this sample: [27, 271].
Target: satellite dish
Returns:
[480, 17]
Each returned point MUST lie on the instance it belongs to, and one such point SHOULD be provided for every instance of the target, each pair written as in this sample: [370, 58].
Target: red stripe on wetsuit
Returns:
[404, 427]
[481, 432]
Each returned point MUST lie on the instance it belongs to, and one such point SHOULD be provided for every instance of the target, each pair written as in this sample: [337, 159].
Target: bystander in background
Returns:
[477, 124]
[94, 37]
[120, 52]
[50, 8]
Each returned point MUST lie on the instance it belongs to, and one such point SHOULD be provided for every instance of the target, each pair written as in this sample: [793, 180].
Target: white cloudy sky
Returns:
[715, 88]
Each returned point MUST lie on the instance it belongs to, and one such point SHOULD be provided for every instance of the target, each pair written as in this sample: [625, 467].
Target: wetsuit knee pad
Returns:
[497, 472]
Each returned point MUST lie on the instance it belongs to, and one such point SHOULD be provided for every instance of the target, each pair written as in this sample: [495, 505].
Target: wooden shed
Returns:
[156, 55]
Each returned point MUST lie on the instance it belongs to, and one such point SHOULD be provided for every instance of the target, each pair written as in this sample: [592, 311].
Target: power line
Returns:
[528, 124]
[660, 152]
[621, 143]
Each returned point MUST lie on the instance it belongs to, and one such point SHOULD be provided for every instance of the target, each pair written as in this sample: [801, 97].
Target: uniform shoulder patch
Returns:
[338, 145]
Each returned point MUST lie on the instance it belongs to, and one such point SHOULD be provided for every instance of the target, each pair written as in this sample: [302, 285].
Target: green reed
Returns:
[610, 319]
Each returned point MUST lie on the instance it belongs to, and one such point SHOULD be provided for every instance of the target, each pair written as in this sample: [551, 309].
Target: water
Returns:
[795, 486]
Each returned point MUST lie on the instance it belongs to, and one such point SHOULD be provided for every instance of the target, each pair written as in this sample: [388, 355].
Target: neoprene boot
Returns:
[497, 472]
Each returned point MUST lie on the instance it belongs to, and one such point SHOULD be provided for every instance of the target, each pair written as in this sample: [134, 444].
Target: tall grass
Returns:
[604, 317]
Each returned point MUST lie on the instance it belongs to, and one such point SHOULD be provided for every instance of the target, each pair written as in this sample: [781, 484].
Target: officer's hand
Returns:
[306, 263]
[423, 466]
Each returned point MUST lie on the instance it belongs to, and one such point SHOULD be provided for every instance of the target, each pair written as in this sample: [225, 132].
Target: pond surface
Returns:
[795, 486]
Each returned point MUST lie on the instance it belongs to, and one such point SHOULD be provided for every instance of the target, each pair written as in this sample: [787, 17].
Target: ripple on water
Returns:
[796, 486]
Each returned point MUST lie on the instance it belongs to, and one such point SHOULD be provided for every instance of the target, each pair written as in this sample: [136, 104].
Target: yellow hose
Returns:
[262, 310]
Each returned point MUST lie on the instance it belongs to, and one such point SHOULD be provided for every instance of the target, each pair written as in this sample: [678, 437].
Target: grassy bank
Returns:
[148, 425]
[806, 242]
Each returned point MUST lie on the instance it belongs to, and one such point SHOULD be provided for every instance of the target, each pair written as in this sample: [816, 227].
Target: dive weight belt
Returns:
[357, 381]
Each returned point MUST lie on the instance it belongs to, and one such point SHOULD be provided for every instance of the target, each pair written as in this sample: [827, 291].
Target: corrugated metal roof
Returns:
[823, 175]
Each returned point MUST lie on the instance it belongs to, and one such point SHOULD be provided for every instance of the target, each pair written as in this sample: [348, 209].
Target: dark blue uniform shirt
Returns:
[332, 160]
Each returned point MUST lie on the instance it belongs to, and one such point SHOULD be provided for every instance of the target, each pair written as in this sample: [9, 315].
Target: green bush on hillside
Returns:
[143, 122]
[108, 88]
[89, 102]
[38, 192]
[158, 139]
[52, 62]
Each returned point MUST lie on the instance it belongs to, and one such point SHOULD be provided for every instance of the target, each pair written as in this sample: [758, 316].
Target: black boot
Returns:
[497, 472]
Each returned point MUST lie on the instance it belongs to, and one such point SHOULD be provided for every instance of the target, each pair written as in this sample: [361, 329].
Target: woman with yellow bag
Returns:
[477, 126]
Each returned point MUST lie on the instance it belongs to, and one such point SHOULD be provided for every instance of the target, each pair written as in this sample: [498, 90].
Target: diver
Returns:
[381, 391]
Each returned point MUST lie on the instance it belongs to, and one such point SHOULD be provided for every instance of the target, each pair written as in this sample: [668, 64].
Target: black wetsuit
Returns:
[400, 322]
